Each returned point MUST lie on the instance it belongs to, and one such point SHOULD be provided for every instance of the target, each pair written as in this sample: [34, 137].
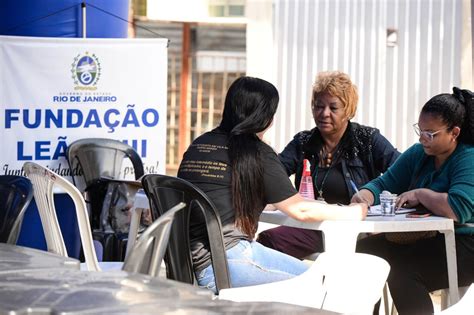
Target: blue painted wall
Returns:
[53, 18]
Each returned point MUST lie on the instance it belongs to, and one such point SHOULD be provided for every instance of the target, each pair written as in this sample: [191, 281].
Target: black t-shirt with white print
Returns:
[206, 164]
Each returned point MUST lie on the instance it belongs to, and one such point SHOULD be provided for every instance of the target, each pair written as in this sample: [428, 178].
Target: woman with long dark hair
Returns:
[436, 174]
[241, 174]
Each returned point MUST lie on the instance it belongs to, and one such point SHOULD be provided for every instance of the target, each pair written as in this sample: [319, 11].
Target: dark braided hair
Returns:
[455, 110]
[250, 105]
[466, 97]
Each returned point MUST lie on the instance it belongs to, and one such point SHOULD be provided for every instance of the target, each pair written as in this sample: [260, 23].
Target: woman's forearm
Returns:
[436, 202]
[310, 210]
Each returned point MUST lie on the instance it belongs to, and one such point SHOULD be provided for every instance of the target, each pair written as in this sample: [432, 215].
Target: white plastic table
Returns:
[19, 258]
[342, 235]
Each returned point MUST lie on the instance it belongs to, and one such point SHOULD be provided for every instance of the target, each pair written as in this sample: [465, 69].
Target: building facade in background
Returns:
[398, 53]
[207, 52]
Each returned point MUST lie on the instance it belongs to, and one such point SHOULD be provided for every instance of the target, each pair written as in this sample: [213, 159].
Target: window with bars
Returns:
[211, 75]
[227, 8]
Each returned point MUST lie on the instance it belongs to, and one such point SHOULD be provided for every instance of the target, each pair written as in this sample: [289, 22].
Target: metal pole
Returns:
[472, 40]
[84, 19]
[183, 96]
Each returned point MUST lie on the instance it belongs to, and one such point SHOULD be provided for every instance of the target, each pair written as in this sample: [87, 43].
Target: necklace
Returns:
[326, 157]
[326, 160]
[320, 189]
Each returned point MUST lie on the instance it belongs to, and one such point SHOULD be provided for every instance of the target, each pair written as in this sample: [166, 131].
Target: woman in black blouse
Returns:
[340, 151]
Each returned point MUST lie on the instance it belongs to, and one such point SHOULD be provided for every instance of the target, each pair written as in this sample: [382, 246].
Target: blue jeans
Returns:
[251, 263]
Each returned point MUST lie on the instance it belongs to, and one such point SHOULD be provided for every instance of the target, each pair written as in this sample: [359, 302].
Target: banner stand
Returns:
[54, 91]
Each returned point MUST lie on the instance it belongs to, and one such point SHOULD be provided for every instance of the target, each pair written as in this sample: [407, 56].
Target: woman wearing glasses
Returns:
[436, 174]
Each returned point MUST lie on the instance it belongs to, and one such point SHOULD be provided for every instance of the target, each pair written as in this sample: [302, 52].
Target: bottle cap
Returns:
[306, 167]
[386, 193]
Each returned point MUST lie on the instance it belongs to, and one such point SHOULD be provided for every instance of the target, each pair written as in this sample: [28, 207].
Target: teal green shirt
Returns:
[414, 169]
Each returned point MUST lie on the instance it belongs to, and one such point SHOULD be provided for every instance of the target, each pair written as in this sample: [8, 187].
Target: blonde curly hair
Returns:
[337, 84]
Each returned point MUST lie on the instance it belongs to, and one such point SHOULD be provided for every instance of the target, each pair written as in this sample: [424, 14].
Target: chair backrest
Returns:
[353, 282]
[43, 181]
[16, 193]
[148, 252]
[100, 159]
[347, 283]
[164, 192]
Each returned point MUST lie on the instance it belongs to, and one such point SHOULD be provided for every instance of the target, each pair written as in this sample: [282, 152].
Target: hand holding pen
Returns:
[361, 197]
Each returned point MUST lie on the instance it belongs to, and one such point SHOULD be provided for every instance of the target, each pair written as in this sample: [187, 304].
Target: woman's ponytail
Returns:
[466, 98]
[250, 105]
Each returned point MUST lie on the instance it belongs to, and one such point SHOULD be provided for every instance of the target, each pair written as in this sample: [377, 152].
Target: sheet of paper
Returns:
[377, 210]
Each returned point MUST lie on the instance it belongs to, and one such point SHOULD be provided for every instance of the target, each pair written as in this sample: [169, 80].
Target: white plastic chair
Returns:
[148, 252]
[446, 301]
[144, 257]
[349, 283]
[465, 305]
[43, 181]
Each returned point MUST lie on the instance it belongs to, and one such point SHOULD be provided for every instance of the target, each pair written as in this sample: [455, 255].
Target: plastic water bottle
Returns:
[306, 185]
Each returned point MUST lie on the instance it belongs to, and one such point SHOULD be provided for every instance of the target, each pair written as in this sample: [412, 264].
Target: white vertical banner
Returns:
[54, 91]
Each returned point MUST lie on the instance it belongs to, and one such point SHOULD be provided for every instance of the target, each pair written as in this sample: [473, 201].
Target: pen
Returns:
[356, 190]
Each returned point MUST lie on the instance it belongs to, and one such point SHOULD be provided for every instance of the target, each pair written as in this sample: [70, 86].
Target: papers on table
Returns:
[377, 210]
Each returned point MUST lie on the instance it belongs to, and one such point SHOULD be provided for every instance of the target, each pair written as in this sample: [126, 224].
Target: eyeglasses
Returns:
[426, 134]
